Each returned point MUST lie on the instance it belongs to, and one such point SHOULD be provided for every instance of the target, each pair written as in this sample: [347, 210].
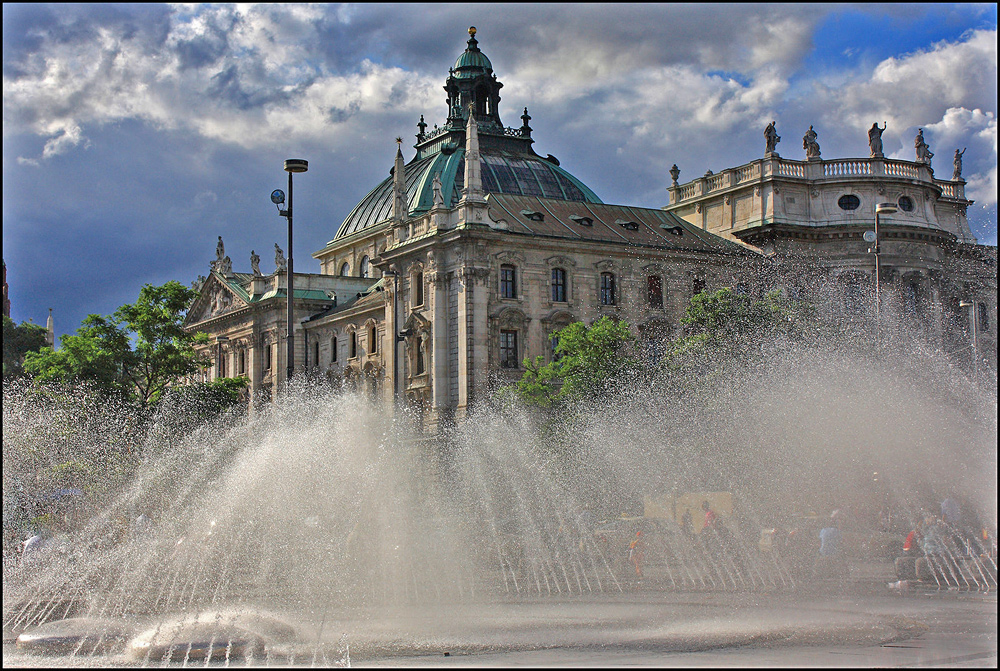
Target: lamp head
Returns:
[277, 196]
[296, 165]
[886, 208]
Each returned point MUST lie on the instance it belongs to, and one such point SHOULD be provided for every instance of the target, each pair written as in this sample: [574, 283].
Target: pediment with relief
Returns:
[215, 299]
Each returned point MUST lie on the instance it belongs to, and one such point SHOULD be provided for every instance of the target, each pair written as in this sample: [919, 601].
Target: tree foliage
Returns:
[586, 359]
[18, 340]
[137, 352]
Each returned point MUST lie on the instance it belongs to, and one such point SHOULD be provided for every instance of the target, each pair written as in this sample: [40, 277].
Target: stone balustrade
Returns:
[836, 169]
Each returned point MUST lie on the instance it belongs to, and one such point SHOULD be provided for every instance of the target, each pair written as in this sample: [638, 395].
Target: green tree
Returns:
[727, 322]
[18, 340]
[138, 351]
[587, 358]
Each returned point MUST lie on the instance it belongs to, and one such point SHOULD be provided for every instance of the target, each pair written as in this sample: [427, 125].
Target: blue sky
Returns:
[134, 135]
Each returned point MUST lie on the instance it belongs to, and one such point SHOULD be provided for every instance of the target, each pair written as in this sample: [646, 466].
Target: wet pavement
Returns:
[916, 630]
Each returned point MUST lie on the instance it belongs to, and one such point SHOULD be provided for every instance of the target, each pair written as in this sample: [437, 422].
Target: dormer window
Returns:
[627, 225]
[583, 221]
[673, 230]
[531, 214]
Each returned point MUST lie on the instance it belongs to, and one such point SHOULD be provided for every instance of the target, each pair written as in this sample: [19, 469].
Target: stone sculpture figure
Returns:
[279, 258]
[875, 138]
[771, 138]
[255, 263]
[225, 266]
[810, 144]
[958, 165]
[220, 255]
[924, 153]
[438, 197]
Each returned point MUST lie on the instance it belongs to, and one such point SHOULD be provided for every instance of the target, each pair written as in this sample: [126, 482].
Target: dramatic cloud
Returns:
[148, 130]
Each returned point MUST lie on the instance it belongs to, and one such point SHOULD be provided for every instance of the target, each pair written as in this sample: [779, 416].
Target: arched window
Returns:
[697, 285]
[345, 269]
[267, 356]
[333, 349]
[315, 361]
[353, 353]
[242, 359]
[654, 291]
[607, 289]
[508, 285]
[363, 268]
[372, 339]
[558, 285]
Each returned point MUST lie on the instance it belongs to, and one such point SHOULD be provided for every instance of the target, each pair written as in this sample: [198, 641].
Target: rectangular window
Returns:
[267, 357]
[654, 291]
[558, 285]
[333, 349]
[418, 289]
[508, 288]
[607, 289]
[354, 345]
[508, 349]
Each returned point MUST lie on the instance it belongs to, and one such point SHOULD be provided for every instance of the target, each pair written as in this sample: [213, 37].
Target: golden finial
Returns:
[472, 31]
[399, 140]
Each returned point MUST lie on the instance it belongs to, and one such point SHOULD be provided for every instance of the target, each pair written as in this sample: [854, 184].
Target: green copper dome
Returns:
[508, 164]
[510, 172]
[472, 62]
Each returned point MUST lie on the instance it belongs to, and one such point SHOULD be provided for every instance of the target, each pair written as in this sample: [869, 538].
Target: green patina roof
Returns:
[511, 172]
[471, 64]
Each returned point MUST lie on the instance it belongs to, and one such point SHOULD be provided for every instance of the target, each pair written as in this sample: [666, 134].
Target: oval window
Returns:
[849, 202]
[906, 204]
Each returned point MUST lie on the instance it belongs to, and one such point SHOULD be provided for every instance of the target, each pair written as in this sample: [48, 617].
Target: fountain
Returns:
[296, 535]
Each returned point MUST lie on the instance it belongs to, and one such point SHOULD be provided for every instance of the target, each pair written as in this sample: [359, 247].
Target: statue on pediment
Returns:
[255, 263]
[220, 255]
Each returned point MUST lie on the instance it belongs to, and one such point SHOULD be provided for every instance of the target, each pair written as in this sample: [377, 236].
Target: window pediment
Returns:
[560, 262]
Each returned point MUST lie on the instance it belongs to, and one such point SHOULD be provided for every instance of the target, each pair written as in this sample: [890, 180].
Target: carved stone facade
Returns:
[809, 218]
[462, 263]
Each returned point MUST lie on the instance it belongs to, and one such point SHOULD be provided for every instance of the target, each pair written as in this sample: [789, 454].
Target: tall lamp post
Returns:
[975, 349]
[292, 165]
[881, 208]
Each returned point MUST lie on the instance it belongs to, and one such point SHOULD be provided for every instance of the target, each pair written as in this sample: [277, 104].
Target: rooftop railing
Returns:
[774, 166]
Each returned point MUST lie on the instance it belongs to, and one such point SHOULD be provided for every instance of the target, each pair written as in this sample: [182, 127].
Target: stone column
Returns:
[439, 355]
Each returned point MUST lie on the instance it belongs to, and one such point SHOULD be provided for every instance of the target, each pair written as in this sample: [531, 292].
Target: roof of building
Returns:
[509, 164]
[599, 222]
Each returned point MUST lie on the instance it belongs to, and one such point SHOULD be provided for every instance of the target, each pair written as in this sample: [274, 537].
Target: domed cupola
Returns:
[472, 82]
[508, 163]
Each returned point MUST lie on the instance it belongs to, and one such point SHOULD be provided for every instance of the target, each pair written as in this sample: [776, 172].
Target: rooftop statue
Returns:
[958, 165]
[255, 263]
[810, 144]
[771, 138]
[924, 153]
[279, 258]
[875, 138]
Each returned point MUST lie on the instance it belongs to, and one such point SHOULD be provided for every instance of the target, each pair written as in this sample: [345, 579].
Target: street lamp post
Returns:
[975, 349]
[292, 165]
[881, 208]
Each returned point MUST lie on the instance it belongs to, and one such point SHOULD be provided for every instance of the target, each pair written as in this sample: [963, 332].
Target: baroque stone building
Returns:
[466, 258]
